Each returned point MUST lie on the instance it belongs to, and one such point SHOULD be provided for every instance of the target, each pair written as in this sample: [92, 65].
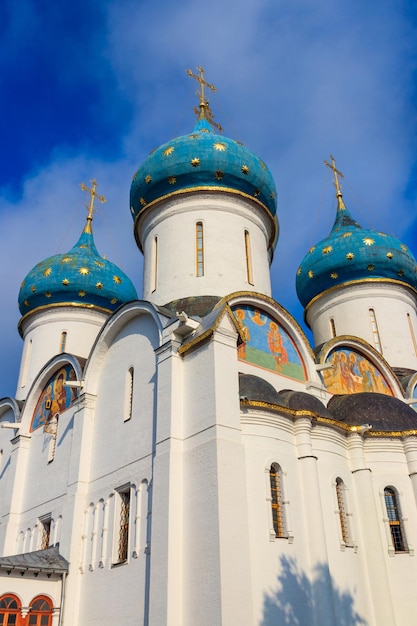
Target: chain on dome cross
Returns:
[93, 194]
[336, 173]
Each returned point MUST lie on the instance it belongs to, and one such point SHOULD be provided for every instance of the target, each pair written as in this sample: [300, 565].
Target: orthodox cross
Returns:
[336, 173]
[205, 111]
[93, 194]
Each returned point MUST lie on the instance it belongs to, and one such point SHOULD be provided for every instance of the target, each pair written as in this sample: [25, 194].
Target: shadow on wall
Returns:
[294, 602]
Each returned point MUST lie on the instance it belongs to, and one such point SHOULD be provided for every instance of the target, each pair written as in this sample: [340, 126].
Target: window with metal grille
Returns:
[394, 520]
[123, 528]
[199, 248]
[343, 516]
[40, 612]
[275, 477]
[9, 610]
[45, 530]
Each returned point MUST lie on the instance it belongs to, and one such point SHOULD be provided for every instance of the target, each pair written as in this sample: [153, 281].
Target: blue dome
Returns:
[80, 277]
[352, 254]
[204, 161]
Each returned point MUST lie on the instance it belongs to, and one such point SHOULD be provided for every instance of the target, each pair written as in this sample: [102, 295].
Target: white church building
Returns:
[188, 458]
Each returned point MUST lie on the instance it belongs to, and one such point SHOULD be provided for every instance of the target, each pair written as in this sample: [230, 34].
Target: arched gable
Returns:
[109, 333]
[357, 367]
[273, 339]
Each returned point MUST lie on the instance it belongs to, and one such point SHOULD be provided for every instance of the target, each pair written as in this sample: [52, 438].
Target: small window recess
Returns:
[122, 521]
[248, 257]
[45, 524]
[27, 361]
[154, 264]
[332, 327]
[413, 337]
[199, 249]
[63, 341]
[375, 331]
[129, 394]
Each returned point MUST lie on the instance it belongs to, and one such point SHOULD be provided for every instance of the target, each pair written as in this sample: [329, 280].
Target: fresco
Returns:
[55, 397]
[353, 373]
[414, 395]
[267, 344]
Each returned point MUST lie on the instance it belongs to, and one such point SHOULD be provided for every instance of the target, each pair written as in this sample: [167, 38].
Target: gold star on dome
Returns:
[403, 247]
[99, 285]
[65, 282]
[347, 235]
[371, 267]
[204, 130]
[350, 256]
[168, 151]
[400, 272]
[390, 255]
[84, 271]
[262, 165]
[48, 271]
[48, 294]
[82, 293]
[310, 273]
[327, 250]
[245, 169]
[172, 180]
[195, 162]
[148, 179]
[220, 146]
[257, 193]
[299, 271]
[99, 263]
[117, 280]
[312, 249]
[83, 246]
[33, 288]
[26, 303]
[368, 241]
[142, 201]
[113, 301]
[218, 174]
[135, 175]
[66, 259]
[194, 136]
[334, 275]
[272, 195]
[132, 210]
[22, 284]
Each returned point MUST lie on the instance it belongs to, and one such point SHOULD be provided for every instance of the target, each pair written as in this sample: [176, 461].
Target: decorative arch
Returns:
[267, 343]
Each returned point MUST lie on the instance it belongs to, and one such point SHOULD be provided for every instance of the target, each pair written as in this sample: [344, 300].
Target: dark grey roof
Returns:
[255, 388]
[48, 560]
[383, 412]
[301, 401]
[199, 306]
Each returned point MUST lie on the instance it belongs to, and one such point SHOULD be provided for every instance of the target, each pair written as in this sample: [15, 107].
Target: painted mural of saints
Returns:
[276, 346]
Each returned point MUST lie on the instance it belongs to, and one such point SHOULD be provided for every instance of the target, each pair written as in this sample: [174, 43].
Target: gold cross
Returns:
[200, 79]
[336, 173]
[93, 194]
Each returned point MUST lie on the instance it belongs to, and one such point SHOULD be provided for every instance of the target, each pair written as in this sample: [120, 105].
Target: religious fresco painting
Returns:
[55, 397]
[267, 344]
[353, 373]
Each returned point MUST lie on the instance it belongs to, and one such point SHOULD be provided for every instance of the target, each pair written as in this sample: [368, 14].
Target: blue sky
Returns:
[89, 88]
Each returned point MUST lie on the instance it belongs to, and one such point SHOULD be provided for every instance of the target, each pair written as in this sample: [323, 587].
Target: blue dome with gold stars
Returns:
[81, 277]
[352, 254]
[203, 161]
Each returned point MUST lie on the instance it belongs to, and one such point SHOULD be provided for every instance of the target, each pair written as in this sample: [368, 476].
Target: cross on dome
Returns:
[90, 206]
[205, 112]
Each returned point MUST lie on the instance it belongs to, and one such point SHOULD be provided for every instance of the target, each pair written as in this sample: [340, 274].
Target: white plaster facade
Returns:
[162, 424]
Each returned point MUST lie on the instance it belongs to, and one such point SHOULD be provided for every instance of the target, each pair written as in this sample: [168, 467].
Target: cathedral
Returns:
[190, 458]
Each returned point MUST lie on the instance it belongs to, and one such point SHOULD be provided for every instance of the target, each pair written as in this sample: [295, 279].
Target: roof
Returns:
[48, 560]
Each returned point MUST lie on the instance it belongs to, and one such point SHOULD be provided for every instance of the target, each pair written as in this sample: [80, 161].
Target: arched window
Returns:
[375, 331]
[9, 610]
[332, 327]
[413, 337]
[342, 509]
[394, 519]
[199, 249]
[277, 501]
[40, 612]
[63, 341]
[248, 258]
[154, 264]
[129, 394]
